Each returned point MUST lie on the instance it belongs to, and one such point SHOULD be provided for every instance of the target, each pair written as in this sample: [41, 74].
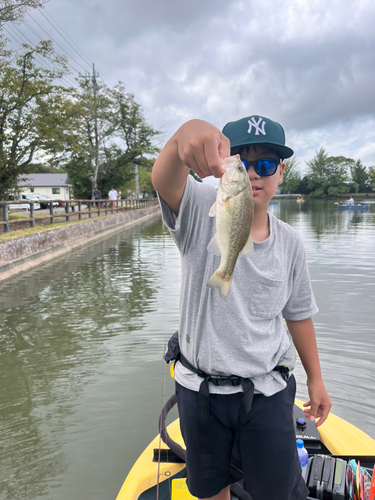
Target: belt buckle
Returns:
[236, 381]
[214, 381]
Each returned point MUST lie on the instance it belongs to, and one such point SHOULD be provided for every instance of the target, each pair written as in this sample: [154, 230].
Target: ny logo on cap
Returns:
[258, 126]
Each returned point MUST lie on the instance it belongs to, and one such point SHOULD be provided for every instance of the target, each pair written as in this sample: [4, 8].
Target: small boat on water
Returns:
[330, 449]
[358, 208]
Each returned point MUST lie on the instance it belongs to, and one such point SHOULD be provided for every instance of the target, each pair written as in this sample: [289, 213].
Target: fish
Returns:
[234, 211]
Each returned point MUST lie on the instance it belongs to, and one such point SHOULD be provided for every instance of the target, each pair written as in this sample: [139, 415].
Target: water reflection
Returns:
[56, 326]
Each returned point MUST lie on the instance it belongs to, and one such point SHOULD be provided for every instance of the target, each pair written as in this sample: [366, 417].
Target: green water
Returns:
[81, 343]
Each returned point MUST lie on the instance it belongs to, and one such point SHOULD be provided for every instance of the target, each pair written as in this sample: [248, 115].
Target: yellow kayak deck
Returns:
[340, 437]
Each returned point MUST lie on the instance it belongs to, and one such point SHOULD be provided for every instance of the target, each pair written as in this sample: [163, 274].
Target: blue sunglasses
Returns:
[264, 167]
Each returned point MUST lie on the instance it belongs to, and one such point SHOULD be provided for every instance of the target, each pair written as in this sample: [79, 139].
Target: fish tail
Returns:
[218, 281]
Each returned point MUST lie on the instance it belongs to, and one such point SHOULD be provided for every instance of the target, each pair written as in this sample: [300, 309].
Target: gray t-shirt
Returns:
[242, 334]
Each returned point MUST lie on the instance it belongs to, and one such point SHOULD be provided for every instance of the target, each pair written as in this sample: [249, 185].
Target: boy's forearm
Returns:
[169, 175]
[319, 404]
[303, 336]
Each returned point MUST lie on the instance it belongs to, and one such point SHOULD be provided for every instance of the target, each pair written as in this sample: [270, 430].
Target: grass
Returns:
[31, 230]
[36, 216]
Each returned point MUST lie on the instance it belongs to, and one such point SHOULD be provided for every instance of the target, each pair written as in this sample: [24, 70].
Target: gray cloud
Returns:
[309, 65]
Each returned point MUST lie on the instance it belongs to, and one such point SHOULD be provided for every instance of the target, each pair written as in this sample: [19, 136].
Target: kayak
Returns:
[336, 439]
[354, 207]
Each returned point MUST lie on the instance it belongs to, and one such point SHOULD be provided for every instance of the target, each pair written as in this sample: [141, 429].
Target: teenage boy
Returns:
[242, 335]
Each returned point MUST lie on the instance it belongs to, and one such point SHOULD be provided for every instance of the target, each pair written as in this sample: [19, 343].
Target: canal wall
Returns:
[20, 254]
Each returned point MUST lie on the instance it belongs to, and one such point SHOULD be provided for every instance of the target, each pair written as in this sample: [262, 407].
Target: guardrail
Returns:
[73, 209]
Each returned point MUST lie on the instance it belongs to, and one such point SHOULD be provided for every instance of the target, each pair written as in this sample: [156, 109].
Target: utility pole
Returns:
[136, 182]
[95, 87]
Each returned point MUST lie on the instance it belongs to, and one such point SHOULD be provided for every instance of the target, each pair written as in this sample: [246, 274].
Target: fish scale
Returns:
[234, 211]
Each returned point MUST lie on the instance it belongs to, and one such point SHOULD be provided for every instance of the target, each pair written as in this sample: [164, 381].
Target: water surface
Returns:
[81, 343]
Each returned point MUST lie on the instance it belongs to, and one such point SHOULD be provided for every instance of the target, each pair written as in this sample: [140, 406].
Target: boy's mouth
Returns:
[255, 190]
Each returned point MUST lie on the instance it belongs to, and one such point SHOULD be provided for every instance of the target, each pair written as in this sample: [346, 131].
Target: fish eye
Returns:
[239, 168]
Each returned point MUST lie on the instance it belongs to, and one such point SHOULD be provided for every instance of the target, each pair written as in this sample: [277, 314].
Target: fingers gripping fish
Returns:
[234, 211]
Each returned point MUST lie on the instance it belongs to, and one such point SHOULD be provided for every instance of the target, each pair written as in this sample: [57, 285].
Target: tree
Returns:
[14, 10]
[316, 174]
[124, 137]
[360, 177]
[79, 172]
[371, 174]
[328, 175]
[34, 113]
[291, 176]
[93, 126]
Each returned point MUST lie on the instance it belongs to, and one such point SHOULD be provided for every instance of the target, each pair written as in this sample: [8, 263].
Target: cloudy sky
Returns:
[309, 64]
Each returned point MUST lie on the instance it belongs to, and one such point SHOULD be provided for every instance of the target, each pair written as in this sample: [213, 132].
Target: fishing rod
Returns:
[163, 396]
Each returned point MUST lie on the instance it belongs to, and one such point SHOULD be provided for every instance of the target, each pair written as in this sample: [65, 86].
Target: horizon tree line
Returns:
[327, 176]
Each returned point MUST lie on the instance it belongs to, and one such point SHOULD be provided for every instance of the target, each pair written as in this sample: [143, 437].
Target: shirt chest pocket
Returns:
[267, 299]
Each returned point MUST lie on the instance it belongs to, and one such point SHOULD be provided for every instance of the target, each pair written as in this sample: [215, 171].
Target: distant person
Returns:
[119, 195]
[96, 195]
[350, 201]
[112, 195]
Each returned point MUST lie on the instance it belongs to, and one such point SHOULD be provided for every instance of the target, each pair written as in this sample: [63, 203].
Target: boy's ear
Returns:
[282, 167]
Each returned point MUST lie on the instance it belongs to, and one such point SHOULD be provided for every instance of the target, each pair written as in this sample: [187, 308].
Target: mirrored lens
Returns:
[263, 167]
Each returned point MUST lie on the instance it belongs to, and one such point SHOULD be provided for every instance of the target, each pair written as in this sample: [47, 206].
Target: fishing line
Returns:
[163, 397]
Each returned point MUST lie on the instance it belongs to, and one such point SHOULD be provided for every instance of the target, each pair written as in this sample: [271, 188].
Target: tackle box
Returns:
[325, 477]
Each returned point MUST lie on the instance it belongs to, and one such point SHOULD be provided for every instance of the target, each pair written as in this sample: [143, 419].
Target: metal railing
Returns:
[73, 210]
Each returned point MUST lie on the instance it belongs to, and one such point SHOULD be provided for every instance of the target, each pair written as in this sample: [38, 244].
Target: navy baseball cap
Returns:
[257, 130]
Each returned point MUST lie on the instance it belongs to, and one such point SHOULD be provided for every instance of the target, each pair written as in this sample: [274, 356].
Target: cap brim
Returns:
[283, 151]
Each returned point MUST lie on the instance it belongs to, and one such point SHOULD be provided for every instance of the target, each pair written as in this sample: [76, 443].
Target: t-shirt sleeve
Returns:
[301, 303]
[193, 216]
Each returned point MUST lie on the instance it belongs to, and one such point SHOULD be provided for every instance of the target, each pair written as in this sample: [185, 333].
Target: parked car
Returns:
[31, 197]
[23, 206]
[45, 197]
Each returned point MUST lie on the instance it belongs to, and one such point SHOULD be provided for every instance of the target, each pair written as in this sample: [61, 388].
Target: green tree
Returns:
[92, 126]
[14, 10]
[291, 176]
[371, 174]
[328, 175]
[360, 177]
[34, 113]
[125, 140]
[79, 171]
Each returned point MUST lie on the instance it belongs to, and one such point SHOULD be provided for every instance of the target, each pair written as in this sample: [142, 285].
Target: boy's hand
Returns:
[319, 403]
[201, 146]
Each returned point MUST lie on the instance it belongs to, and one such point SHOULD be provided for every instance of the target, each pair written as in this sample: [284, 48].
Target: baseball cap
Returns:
[258, 130]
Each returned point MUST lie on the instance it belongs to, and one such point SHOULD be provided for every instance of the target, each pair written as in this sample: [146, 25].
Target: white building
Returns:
[55, 185]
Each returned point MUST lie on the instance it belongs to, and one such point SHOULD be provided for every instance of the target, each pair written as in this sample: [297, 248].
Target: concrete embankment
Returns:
[20, 254]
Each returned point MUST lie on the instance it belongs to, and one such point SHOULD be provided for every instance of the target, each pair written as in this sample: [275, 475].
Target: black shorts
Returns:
[270, 462]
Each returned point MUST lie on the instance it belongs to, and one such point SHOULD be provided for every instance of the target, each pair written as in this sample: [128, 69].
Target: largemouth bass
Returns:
[234, 211]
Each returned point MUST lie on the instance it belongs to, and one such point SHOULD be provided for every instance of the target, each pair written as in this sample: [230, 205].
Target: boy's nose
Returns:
[252, 174]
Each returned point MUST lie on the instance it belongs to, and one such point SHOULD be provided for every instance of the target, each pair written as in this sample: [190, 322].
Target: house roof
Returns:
[45, 180]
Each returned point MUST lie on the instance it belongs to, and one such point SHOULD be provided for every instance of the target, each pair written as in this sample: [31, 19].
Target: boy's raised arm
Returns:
[196, 145]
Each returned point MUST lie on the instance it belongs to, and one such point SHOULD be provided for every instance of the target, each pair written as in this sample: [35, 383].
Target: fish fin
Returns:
[248, 248]
[216, 281]
[213, 246]
[227, 205]
[212, 211]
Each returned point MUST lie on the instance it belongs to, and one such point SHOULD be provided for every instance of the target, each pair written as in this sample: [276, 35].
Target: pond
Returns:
[82, 379]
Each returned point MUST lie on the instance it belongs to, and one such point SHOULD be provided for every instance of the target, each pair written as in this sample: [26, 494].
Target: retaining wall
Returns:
[22, 253]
